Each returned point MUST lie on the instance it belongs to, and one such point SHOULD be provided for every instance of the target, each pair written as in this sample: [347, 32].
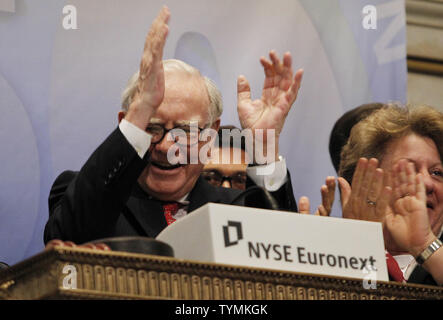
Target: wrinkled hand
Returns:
[369, 197]
[327, 196]
[151, 82]
[59, 243]
[408, 223]
[280, 90]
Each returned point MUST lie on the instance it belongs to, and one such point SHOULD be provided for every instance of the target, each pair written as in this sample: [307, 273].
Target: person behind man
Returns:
[222, 168]
[342, 129]
[401, 185]
[129, 186]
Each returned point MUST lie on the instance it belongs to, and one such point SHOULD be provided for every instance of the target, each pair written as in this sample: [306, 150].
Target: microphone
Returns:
[270, 201]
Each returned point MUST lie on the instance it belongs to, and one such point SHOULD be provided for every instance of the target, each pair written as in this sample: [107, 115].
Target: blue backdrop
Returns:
[60, 89]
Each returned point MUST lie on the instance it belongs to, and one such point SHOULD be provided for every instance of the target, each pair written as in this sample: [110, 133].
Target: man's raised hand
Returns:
[280, 90]
[151, 82]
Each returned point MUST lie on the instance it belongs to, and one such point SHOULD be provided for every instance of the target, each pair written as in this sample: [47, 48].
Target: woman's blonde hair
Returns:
[370, 136]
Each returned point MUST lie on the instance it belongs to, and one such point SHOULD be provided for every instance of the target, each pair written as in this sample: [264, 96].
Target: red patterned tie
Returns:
[393, 268]
[170, 209]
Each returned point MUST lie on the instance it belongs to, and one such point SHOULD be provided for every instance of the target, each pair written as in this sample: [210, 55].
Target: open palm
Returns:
[280, 90]
[409, 221]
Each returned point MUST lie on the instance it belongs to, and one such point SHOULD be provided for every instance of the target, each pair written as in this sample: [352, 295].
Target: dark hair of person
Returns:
[219, 140]
[342, 129]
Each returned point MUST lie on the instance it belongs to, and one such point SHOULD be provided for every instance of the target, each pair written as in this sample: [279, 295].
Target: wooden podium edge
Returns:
[122, 275]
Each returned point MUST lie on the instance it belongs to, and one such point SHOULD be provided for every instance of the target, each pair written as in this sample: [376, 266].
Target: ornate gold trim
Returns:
[120, 275]
[424, 13]
[423, 66]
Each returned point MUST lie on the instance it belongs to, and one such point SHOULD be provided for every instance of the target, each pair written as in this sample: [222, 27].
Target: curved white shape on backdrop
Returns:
[20, 178]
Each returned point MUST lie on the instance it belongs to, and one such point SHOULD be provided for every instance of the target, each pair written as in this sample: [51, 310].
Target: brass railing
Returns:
[75, 273]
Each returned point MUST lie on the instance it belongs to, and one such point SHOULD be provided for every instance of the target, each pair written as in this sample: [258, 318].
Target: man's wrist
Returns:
[275, 159]
[271, 176]
[269, 147]
[139, 139]
[139, 117]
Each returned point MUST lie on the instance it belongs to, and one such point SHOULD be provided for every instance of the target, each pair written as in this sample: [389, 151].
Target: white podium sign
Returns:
[279, 240]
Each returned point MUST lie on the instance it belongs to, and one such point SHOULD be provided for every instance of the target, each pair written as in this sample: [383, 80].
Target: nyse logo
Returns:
[232, 233]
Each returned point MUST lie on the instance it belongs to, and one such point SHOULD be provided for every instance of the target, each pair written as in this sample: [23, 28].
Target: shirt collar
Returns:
[184, 201]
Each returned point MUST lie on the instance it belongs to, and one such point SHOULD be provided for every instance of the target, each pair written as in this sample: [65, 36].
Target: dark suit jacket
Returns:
[104, 199]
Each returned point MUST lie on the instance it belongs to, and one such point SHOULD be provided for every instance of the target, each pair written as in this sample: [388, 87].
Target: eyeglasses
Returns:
[236, 180]
[184, 135]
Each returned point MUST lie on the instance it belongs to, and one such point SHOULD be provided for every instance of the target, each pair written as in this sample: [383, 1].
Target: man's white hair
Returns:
[215, 107]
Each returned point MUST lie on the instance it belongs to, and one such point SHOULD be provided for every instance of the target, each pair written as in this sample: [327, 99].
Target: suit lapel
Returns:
[200, 195]
[204, 192]
[146, 215]
[147, 212]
